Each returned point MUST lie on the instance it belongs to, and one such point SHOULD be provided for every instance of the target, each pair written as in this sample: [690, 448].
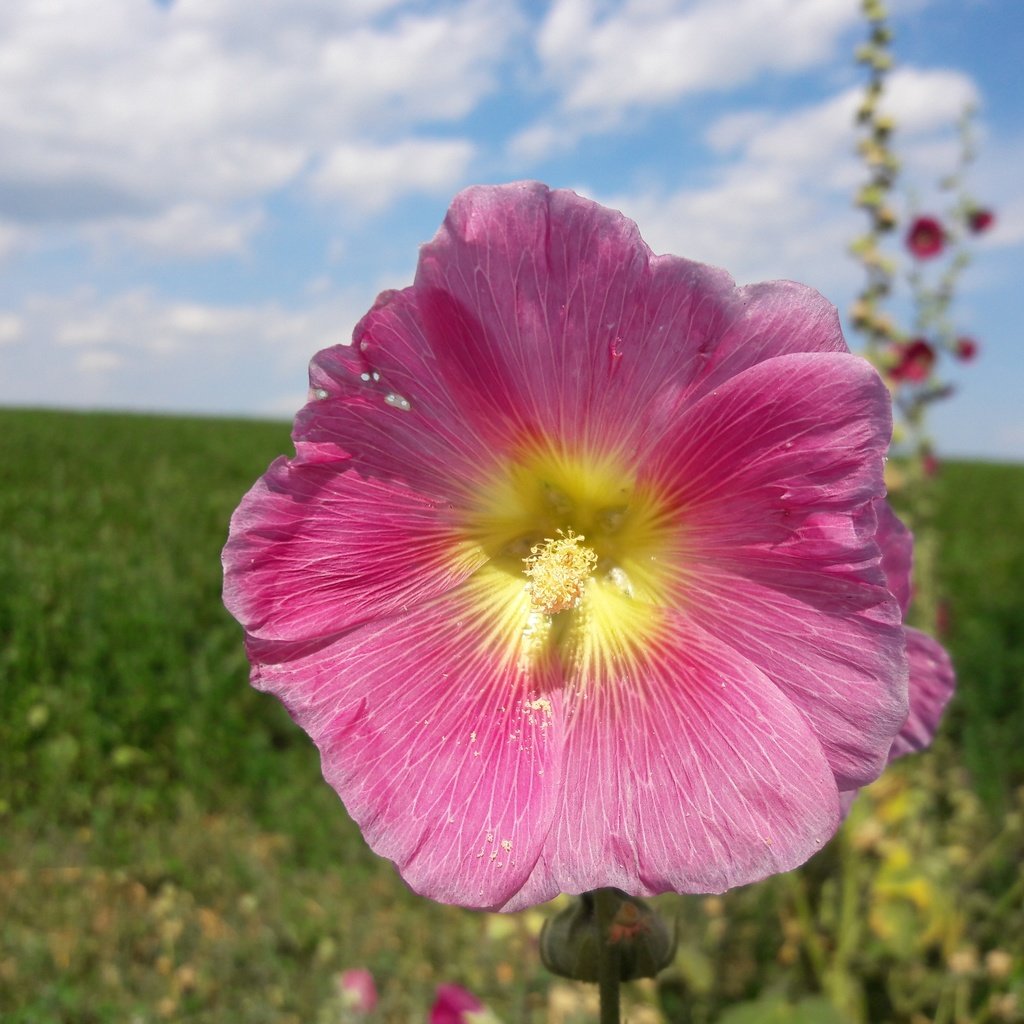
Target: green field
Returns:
[168, 850]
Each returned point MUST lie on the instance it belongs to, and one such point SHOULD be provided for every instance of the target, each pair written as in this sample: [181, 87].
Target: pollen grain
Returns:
[557, 572]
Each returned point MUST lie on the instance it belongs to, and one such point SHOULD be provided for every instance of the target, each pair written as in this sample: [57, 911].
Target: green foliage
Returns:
[121, 668]
[774, 1010]
[981, 571]
[168, 850]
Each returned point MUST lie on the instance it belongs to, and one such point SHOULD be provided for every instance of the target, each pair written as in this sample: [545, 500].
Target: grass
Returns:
[169, 852]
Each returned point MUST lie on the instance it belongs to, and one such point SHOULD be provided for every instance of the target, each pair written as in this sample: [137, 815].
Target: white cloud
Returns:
[11, 239]
[189, 230]
[648, 51]
[374, 175]
[923, 100]
[781, 203]
[97, 361]
[604, 61]
[1009, 226]
[10, 328]
[171, 116]
[540, 140]
[140, 350]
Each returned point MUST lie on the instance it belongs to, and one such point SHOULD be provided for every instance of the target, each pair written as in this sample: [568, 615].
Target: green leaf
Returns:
[774, 1009]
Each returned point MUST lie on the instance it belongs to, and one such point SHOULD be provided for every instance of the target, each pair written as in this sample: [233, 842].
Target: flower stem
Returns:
[609, 970]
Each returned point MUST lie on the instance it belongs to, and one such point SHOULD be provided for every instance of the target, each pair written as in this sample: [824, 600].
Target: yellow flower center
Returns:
[577, 558]
[558, 571]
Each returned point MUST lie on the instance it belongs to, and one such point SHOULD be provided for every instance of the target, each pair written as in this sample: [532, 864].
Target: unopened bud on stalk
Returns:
[570, 941]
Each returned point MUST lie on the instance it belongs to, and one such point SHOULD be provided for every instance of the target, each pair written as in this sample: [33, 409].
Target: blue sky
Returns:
[197, 195]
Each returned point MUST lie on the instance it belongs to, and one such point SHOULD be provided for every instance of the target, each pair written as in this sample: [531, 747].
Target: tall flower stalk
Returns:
[911, 358]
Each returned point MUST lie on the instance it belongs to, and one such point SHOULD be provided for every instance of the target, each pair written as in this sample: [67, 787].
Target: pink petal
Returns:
[825, 643]
[371, 427]
[549, 312]
[444, 752]
[387, 402]
[301, 563]
[778, 557]
[766, 320]
[759, 451]
[688, 772]
[897, 544]
[932, 682]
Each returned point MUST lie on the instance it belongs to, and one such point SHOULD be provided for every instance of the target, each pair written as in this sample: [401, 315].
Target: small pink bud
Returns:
[453, 1005]
[358, 991]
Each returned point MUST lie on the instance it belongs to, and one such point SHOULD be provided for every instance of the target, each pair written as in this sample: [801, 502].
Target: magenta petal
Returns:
[828, 643]
[690, 772]
[932, 682]
[550, 312]
[445, 754]
[766, 320]
[300, 563]
[452, 1004]
[779, 559]
[897, 544]
[380, 425]
[757, 453]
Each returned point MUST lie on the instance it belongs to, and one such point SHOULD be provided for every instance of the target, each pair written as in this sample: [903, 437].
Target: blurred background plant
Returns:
[912, 355]
[168, 850]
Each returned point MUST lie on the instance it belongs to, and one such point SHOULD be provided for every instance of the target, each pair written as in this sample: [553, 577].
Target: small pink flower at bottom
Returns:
[926, 238]
[913, 361]
[455, 1005]
[573, 578]
[358, 990]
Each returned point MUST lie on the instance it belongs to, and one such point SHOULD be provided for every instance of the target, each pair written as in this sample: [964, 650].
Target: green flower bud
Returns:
[570, 942]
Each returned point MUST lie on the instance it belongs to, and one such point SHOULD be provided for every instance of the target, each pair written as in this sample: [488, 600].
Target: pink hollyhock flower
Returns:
[966, 349]
[358, 990]
[573, 578]
[980, 220]
[455, 1005]
[914, 361]
[926, 237]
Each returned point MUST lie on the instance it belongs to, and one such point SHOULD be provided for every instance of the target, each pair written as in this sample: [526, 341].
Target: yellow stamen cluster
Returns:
[557, 572]
[573, 559]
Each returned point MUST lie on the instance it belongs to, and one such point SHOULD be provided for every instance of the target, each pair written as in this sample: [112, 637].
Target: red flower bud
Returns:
[914, 361]
[926, 238]
[965, 349]
[979, 220]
